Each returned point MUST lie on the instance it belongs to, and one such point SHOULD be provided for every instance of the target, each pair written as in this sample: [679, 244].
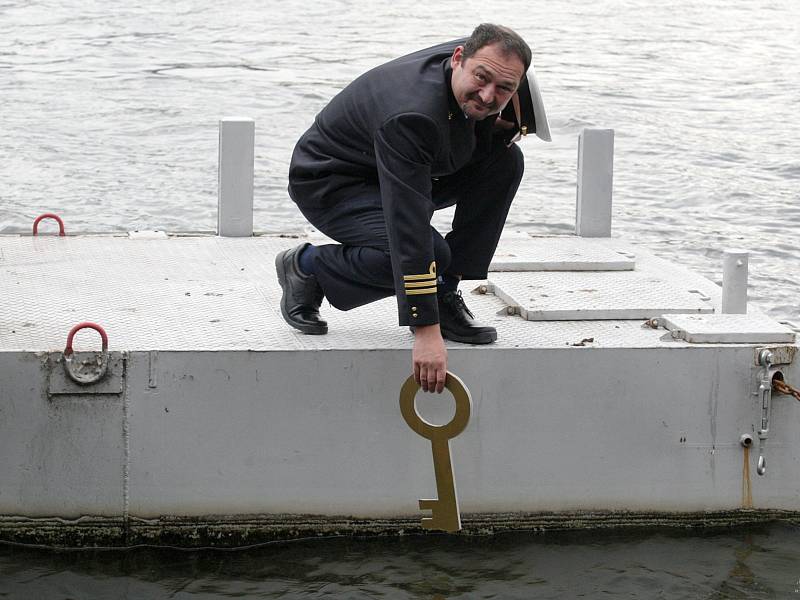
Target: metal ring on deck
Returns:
[49, 216]
[428, 430]
[85, 325]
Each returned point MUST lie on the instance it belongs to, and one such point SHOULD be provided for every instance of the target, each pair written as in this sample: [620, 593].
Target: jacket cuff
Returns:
[418, 305]
[419, 310]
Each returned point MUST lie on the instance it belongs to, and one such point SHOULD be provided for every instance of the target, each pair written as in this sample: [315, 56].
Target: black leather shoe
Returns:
[458, 323]
[302, 294]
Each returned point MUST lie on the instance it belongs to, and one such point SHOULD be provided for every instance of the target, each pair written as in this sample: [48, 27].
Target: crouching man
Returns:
[417, 134]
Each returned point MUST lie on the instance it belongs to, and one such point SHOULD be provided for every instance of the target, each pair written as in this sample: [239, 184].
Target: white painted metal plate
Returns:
[728, 328]
[209, 293]
[148, 235]
[567, 253]
[568, 296]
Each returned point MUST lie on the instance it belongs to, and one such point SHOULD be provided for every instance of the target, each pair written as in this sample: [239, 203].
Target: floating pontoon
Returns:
[619, 393]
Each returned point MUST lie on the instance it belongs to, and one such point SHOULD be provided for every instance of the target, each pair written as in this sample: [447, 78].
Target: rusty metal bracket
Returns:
[780, 355]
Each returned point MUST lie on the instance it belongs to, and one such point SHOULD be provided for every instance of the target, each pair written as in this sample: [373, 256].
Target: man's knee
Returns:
[515, 163]
[503, 167]
[441, 252]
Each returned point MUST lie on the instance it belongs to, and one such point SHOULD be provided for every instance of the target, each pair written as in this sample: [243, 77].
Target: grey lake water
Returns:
[754, 563]
[108, 116]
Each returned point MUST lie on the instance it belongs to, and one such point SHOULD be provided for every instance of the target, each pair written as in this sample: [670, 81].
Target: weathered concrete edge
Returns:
[250, 530]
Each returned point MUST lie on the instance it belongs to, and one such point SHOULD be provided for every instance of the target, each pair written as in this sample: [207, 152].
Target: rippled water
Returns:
[109, 115]
[755, 563]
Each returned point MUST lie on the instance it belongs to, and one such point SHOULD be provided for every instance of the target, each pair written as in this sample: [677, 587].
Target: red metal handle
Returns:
[48, 216]
[68, 350]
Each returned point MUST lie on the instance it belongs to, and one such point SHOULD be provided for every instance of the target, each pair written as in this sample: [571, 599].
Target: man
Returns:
[409, 137]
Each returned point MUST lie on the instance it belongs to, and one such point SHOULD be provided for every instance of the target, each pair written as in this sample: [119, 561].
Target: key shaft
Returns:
[444, 510]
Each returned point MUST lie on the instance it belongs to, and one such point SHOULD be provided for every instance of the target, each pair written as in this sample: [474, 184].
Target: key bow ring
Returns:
[461, 394]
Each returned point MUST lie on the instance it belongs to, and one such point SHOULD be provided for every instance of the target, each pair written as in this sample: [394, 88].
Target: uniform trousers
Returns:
[358, 270]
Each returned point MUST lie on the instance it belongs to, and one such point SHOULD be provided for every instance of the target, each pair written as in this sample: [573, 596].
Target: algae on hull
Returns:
[238, 532]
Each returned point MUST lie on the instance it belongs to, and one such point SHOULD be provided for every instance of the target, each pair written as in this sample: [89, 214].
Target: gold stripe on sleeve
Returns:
[431, 273]
[420, 284]
[428, 290]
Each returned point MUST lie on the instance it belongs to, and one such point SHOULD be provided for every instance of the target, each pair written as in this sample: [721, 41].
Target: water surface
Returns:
[752, 563]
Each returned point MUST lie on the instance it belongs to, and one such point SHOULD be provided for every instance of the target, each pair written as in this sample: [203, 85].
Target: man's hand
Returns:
[429, 358]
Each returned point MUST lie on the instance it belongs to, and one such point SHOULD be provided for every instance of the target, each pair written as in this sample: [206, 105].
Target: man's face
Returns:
[485, 82]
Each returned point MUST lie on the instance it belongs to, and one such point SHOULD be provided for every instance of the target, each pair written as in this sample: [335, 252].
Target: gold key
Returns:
[444, 510]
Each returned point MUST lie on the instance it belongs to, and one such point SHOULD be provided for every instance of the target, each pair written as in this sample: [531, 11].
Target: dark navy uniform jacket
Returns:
[397, 126]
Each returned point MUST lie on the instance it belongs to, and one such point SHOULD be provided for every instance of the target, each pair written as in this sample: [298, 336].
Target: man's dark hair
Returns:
[509, 40]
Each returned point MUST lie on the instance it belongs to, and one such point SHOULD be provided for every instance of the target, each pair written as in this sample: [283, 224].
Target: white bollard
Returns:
[235, 191]
[734, 281]
[595, 176]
